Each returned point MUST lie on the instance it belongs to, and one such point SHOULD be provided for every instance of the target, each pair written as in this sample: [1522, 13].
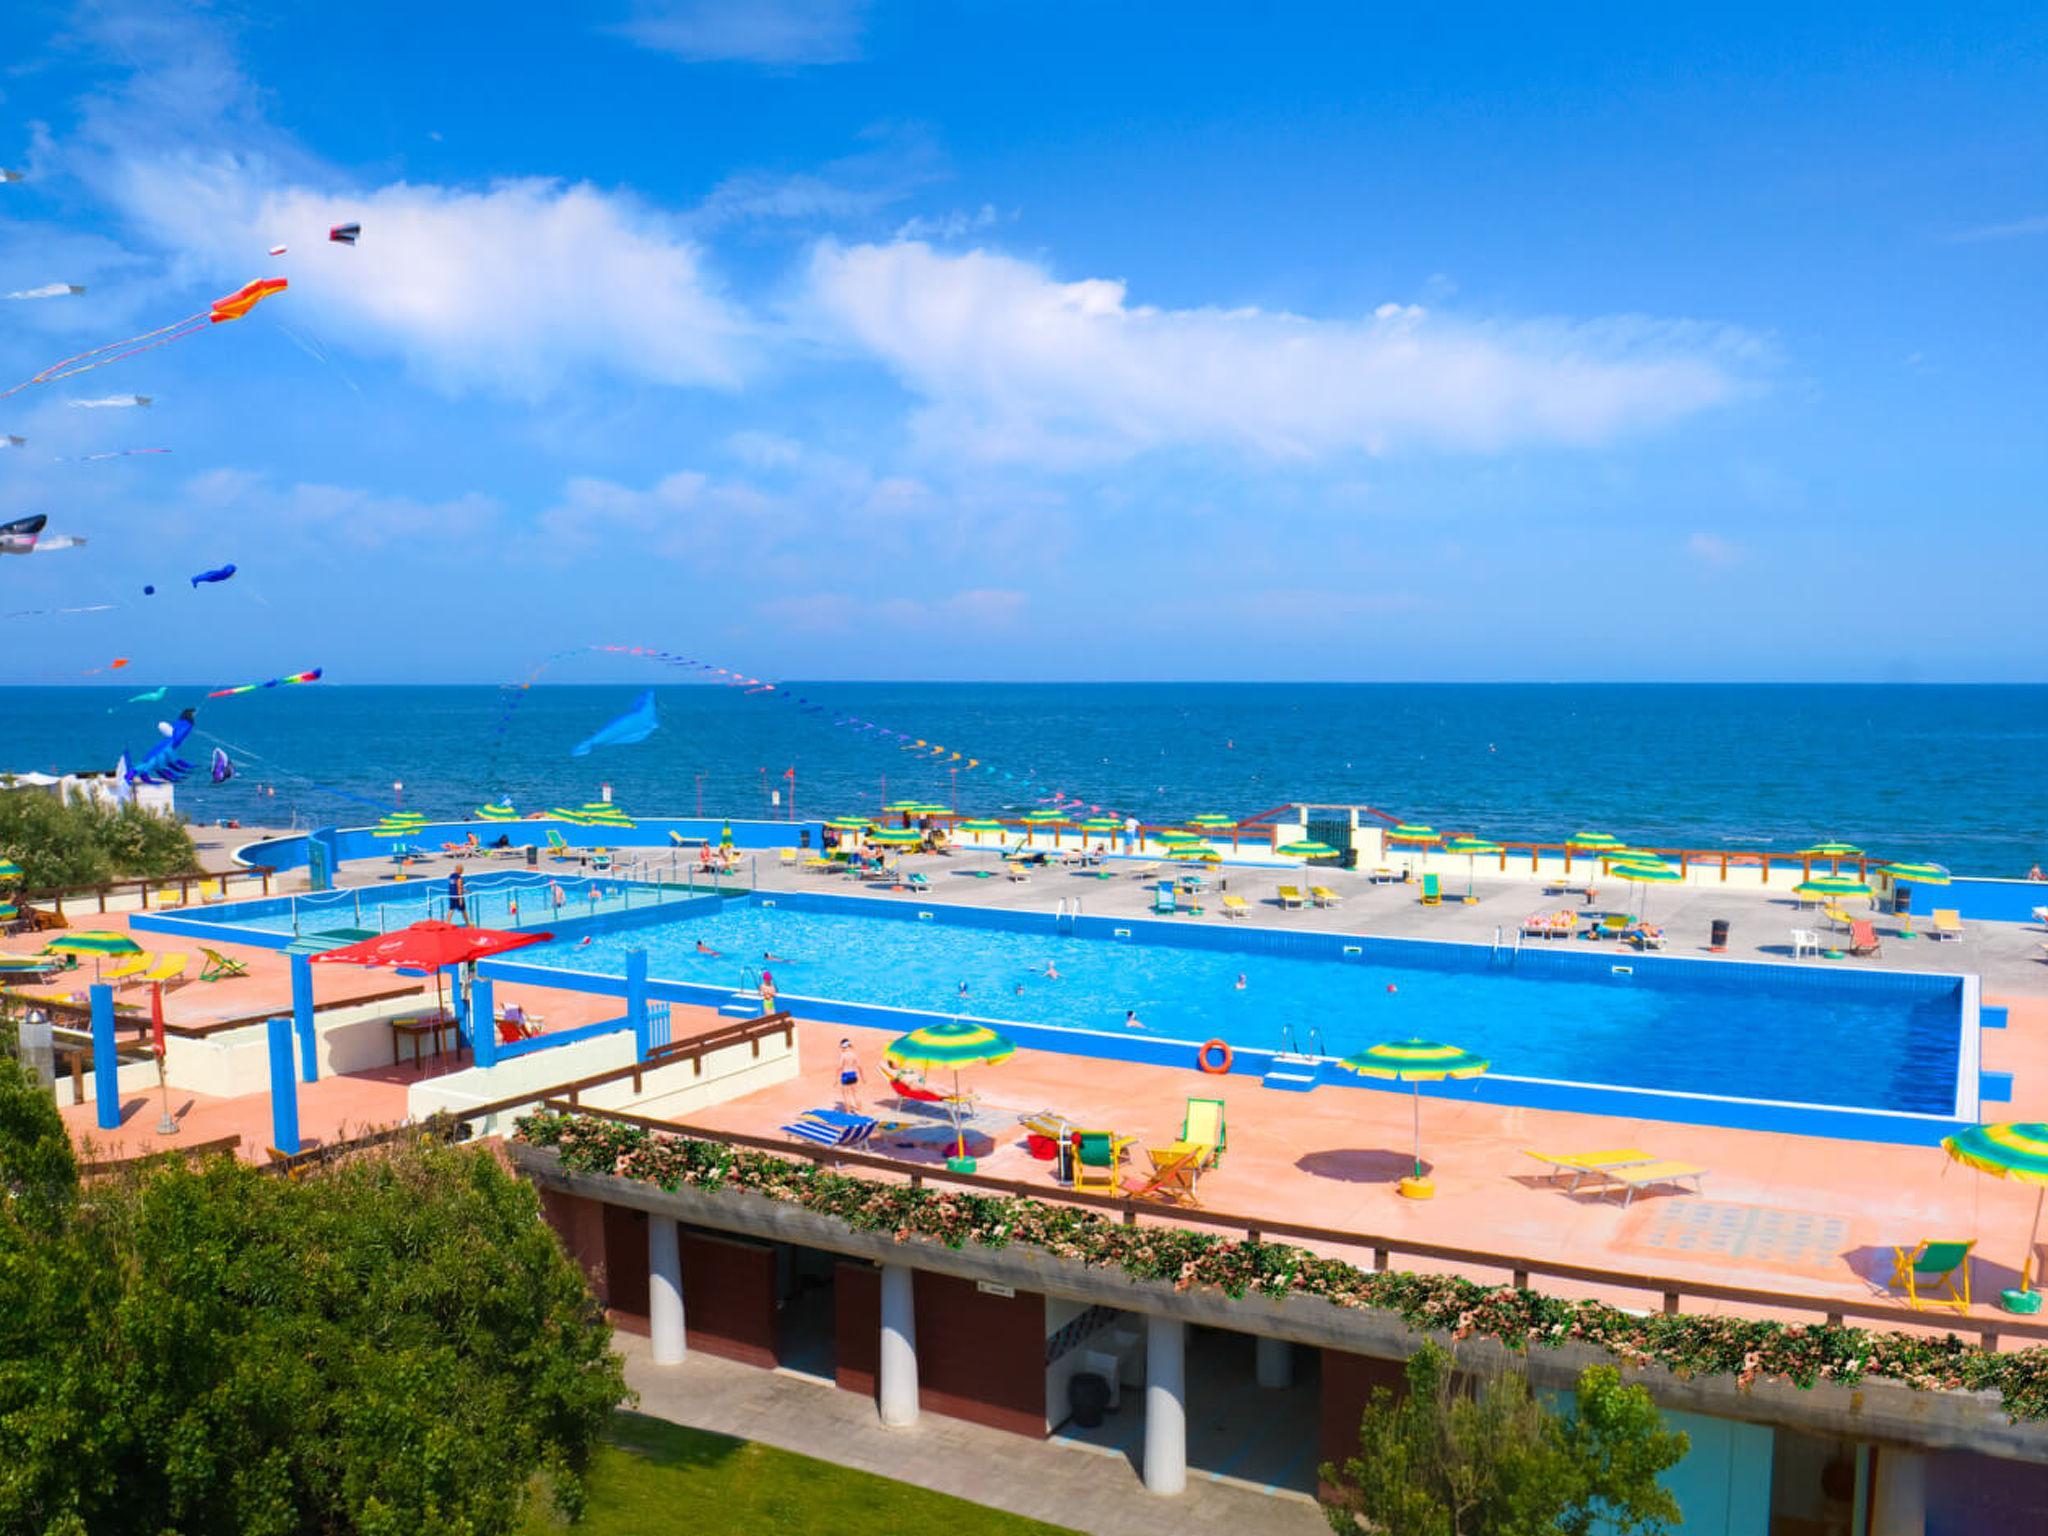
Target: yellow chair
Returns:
[129, 968]
[1948, 923]
[1290, 895]
[1323, 896]
[1942, 1263]
[1236, 906]
[1098, 1161]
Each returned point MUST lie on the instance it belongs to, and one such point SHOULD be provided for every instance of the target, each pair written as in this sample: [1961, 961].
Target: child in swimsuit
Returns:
[849, 1078]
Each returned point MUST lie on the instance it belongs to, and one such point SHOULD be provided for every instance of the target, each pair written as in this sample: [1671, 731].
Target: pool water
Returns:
[503, 899]
[1698, 1027]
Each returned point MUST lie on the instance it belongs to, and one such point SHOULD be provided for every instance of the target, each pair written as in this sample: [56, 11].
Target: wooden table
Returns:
[418, 1027]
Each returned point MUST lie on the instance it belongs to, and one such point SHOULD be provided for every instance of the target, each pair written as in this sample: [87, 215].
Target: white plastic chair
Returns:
[1804, 939]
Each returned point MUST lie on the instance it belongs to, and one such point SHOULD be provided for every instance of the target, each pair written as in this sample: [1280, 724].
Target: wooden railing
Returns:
[1519, 1268]
[54, 897]
[195, 1152]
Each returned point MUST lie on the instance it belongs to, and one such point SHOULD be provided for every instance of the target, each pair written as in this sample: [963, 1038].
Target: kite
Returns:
[149, 591]
[9, 440]
[635, 725]
[117, 663]
[49, 291]
[345, 234]
[218, 573]
[223, 770]
[310, 676]
[150, 697]
[24, 536]
[107, 402]
[8, 173]
[277, 250]
[232, 307]
[117, 453]
[161, 763]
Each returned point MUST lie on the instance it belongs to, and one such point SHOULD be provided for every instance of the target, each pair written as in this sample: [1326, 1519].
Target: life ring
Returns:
[1206, 1060]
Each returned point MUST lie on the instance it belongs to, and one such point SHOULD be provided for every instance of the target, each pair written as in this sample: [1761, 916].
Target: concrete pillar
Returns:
[1276, 1362]
[1166, 1405]
[1898, 1505]
[897, 1384]
[302, 1017]
[636, 1000]
[483, 1007]
[284, 1088]
[665, 1290]
[106, 1069]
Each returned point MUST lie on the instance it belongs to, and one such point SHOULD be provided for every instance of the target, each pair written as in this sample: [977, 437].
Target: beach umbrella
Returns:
[1646, 872]
[23, 963]
[1414, 833]
[9, 870]
[8, 911]
[979, 825]
[1197, 853]
[1916, 874]
[1308, 848]
[1213, 821]
[1100, 824]
[566, 813]
[903, 805]
[1472, 848]
[1416, 1062]
[954, 1044]
[931, 808]
[1833, 852]
[1174, 837]
[502, 811]
[850, 823]
[2008, 1151]
[1591, 842]
[725, 837]
[896, 837]
[1831, 885]
[1033, 820]
[431, 945]
[96, 942]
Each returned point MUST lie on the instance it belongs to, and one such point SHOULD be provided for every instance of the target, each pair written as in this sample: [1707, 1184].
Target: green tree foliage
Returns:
[395, 1345]
[1454, 1458]
[80, 842]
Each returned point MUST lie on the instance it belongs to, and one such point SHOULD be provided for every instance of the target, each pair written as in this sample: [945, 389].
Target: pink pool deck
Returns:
[1787, 1214]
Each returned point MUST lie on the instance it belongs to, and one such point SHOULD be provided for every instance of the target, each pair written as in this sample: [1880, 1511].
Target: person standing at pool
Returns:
[1130, 834]
[767, 991]
[850, 1076]
[458, 900]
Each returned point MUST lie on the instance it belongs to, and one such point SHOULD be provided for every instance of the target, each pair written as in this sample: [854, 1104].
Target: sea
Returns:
[1953, 774]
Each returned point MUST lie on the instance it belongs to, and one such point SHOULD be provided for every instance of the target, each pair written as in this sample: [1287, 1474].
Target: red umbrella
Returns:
[430, 945]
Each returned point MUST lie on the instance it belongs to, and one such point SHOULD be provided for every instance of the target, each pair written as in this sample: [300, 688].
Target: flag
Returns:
[789, 772]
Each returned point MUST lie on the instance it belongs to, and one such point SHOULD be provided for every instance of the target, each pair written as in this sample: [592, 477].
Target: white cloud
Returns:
[518, 287]
[750, 31]
[1712, 550]
[1014, 364]
[956, 225]
[328, 514]
[977, 609]
[2011, 230]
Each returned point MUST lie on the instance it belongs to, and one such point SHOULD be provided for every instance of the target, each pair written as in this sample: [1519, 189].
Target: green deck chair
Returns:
[219, 967]
[1432, 892]
[1934, 1264]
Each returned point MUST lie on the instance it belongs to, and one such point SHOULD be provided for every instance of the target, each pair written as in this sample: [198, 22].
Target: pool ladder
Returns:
[1068, 909]
[1287, 1039]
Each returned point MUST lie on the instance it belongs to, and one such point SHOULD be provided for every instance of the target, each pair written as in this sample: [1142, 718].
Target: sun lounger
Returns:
[1836, 915]
[1432, 891]
[1323, 896]
[1236, 906]
[1174, 1170]
[786, 857]
[1582, 1164]
[1203, 1125]
[1948, 923]
[163, 968]
[916, 881]
[833, 1128]
[1640, 1176]
[1098, 1161]
[1645, 936]
[132, 966]
[219, 967]
[1147, 871]
[1863, 938]
[1014, 870]
[1942, 1263]
[558, 847]
[1290, 896]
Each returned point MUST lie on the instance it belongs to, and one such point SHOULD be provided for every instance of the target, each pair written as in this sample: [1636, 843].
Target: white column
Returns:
[665, 1290]
[1898, 1505]
[897, 1387]
[1276, 1362]
[1166, 1405]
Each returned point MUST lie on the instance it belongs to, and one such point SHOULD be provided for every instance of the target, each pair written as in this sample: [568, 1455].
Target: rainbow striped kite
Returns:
[312, 676]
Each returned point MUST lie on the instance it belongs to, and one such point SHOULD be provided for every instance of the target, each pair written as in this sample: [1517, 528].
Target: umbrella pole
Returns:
[2033, 1236]
[1418, 1127]
[959, 1130]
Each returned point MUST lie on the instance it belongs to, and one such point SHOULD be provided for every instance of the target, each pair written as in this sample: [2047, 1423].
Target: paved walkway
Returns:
[1067, 1485]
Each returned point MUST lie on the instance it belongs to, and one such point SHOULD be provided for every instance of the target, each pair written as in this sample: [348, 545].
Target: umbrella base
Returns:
[2026, 1303]
[1417, 1188]
[961, 1165]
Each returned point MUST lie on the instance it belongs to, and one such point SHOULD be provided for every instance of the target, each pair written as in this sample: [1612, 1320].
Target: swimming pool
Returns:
[1853, 1040]
[495, 899]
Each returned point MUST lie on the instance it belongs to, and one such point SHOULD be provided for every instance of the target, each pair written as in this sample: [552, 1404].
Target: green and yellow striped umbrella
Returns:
[932, 808]
[904, 806]
[1416, 1062]
[23, 963]
[725, 837]
[566, 813]
[850, 823]
[1308, 848]
[896, 837]
[1831, 885]
[1033, 820]
[1472, 848]
[979, 825]
[1641, 870]
[1100, 824]
[1916, 874]
[1173, 835]
[1833, 852]
[8, 911]
[97, 942]
[9, 870]
[1213, 821]
[954, 1044]
[1196, 853]
[499, 812]
[1413, 833]
[2010, 1150]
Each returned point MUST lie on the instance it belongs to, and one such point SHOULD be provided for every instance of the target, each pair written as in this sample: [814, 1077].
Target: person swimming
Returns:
[1052, 970]
[963, 989]
[1240, 981]
[1131, 1019]
[705, 949]
[769, 957]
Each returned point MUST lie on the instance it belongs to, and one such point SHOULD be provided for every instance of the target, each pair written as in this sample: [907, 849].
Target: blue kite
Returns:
[218, 573]
[635, 725]
[161, 763]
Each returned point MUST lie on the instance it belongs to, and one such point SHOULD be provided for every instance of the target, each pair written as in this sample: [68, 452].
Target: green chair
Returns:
[1432, 892]
[1934, 1263]
[220, 967]
[1098, 1161]
[1203, 1126]
[558, 846]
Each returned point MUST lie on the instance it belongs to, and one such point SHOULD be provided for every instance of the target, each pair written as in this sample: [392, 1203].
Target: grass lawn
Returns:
[656, 1476]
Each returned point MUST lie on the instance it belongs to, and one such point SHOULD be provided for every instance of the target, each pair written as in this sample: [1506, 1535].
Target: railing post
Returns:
[1671, 1303]
[1379, 1258]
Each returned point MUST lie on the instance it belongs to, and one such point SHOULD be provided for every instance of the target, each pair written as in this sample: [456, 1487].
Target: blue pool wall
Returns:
[653, 832]
[1983, 901]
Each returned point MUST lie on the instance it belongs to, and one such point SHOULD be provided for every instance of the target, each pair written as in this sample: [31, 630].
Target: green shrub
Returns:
[77, 841]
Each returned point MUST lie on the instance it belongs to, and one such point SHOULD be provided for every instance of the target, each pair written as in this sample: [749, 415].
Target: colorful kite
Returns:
[117, 453]
[310, 676]
[103, 403]
[161, 763]
[231, 307]
[218, 573]
[150, 697]
[223, 770]
[635, 725]
[345, 234]
[49, 291]
[277, 250]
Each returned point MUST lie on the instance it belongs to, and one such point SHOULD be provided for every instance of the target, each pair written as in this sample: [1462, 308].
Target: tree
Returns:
[1455, 1458]
[394, 1345]
[78, 841]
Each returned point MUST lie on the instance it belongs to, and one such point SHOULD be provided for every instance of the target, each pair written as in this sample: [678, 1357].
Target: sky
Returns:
[832, 339]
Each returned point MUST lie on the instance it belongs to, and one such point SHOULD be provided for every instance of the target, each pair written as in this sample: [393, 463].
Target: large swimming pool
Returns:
[1807, 1035]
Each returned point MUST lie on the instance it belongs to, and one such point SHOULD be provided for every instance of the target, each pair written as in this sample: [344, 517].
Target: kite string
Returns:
[278, 770]
[63, 369]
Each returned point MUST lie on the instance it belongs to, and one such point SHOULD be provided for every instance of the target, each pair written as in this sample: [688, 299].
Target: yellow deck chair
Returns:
[1290, 896]
[129, 968]
[1948, 923]
[1323, 896]
[1236, 906]
[1943, 1264]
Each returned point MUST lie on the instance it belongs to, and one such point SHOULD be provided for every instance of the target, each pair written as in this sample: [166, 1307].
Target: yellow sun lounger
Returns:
[1323, 896]
[1290, 896]
[129, 968]
[1642, 1175]
[1948, 923]
[1580, 1164]
[1235, 906]
[162, 968]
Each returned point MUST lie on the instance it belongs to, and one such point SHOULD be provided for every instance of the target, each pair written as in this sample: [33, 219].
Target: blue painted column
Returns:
[636, 999]
[106, 1070]
[302, 1017]
[284, 1088]
[483, 1040]
[460, 1005]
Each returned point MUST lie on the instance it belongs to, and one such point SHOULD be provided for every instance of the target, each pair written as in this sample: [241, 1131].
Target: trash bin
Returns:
[533, 855]
[1719, 939]
[803, 838]
[1902, 899]
[1088, 1399]
[1063, 1160]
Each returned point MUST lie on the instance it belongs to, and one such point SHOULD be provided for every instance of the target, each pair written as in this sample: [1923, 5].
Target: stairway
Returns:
[1293, 1074]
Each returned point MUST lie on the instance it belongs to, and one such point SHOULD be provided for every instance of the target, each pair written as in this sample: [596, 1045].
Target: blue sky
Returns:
[902, 340]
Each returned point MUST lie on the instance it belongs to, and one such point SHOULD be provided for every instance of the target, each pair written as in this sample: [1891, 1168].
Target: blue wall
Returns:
[647, 832]
[1983, 901]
